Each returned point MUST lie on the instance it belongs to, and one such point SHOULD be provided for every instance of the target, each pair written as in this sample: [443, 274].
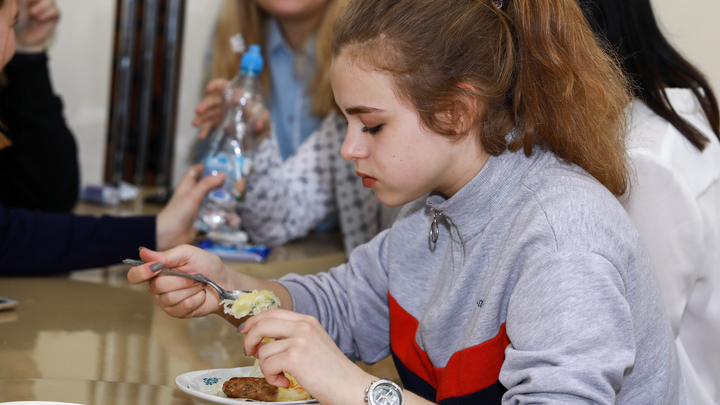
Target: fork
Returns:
[223, 293]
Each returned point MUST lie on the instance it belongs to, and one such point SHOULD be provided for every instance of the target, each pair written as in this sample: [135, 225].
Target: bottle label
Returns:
[217, 164]
[243, 167]
[236, 172]
[220, 196]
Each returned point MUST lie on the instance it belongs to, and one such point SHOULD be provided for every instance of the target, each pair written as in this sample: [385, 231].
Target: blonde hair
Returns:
[533, 65]
[246, 18]
[4, 141]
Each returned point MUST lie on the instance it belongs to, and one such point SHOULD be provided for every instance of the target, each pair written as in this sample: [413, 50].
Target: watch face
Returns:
[385, 394]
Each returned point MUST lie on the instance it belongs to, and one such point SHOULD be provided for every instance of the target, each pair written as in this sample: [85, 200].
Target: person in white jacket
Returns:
[674, 199]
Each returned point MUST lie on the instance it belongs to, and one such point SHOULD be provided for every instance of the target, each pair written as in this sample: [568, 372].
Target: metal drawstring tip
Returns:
[434, 230]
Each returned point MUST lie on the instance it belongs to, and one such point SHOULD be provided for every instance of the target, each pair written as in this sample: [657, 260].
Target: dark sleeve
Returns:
[40, 169]
[34, 243]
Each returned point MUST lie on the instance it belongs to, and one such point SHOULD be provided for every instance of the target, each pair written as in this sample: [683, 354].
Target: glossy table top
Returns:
[90, 392]
[93, 338]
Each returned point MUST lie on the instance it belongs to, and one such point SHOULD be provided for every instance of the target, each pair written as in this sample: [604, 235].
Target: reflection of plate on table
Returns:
[205, 386]
[36, 403]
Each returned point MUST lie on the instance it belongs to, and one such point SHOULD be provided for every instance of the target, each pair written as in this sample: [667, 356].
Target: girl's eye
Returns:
[372, 131]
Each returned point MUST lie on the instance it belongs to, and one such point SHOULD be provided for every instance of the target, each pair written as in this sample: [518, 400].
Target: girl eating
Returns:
[512, 275]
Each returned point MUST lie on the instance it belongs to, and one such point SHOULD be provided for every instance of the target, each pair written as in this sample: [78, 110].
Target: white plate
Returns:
[205, 386]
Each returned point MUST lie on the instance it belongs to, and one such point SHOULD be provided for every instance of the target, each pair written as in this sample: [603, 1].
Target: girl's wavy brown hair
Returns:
[532, 65]
[246, 18]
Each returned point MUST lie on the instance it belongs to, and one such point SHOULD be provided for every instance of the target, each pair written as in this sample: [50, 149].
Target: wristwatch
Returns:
[384, 392]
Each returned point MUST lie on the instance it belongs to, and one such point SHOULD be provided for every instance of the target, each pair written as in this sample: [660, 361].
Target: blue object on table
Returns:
[249, 253]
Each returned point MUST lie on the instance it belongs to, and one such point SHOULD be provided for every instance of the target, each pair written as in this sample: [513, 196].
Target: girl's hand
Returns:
[208, 113]
[178, 296]
[174, 224]
[36, 23]
[304, 350]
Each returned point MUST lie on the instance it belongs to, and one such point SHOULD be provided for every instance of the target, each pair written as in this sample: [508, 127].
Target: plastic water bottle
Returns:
[245, 117]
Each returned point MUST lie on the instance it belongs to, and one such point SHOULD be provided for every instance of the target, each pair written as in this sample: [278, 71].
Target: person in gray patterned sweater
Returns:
[287, 199]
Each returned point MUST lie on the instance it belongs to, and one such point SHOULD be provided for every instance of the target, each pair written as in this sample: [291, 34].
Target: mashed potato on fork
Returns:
[251, 303]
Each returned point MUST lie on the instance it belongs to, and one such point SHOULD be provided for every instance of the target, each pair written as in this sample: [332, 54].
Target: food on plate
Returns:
[255, 386]
[251, 303]
[250, 388]
[258, 389]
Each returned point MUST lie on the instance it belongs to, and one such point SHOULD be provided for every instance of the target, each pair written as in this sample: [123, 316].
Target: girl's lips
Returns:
[367, 181]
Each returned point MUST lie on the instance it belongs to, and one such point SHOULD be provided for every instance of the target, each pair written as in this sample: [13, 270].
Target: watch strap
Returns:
[383, 381]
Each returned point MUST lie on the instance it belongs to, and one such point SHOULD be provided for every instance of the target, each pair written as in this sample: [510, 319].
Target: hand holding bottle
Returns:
[233, 146]
[174, 224]
[209, 113]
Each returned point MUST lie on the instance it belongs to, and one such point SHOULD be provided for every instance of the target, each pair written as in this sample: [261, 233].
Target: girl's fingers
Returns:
[187, 307]
[284, 325]
[207, 104]
[275, 356]
[45, 11]
[269, 328]
[275, 313]
[209, 108]
[205, 131]
[266, 350]
[175, 258]
[272, 364]
[140, 274]
[216, 86]
[177, 296]
[148, 255]
[164, 284]
[190, 179]
[212, 117]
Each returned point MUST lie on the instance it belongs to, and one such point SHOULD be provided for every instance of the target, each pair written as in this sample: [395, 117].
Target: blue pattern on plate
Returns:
[211, 381]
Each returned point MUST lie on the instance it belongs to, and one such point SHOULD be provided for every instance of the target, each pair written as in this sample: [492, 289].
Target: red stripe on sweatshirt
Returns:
[468, 370]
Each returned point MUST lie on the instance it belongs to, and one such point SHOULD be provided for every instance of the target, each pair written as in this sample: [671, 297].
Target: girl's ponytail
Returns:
[570, 95]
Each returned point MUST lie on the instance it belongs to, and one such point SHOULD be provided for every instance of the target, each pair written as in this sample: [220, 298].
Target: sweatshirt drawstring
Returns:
[434, 231]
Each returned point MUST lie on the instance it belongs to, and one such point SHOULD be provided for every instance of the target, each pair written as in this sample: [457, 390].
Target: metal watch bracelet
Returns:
[384, 392]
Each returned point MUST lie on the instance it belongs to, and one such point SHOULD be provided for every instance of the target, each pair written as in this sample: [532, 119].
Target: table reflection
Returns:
[93, 326]
[90, 392]
[93, 338]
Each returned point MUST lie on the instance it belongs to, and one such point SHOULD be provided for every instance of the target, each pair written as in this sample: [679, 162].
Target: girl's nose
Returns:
[353, 147]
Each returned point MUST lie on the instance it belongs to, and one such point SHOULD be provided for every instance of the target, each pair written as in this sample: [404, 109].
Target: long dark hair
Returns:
[651, 62]
[533, 64]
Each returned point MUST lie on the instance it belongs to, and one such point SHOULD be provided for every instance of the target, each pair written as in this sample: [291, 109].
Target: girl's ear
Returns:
[463, 112]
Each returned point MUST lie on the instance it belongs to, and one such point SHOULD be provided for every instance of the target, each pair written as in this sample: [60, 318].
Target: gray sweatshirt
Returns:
[536, 291]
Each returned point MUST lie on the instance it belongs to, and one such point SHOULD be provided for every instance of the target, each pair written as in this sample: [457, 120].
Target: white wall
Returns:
[81, 69]
[200, 17]
[693, 27]
[81, 58]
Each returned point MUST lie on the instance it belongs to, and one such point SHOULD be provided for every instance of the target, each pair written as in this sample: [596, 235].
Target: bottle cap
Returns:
[252, 61]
